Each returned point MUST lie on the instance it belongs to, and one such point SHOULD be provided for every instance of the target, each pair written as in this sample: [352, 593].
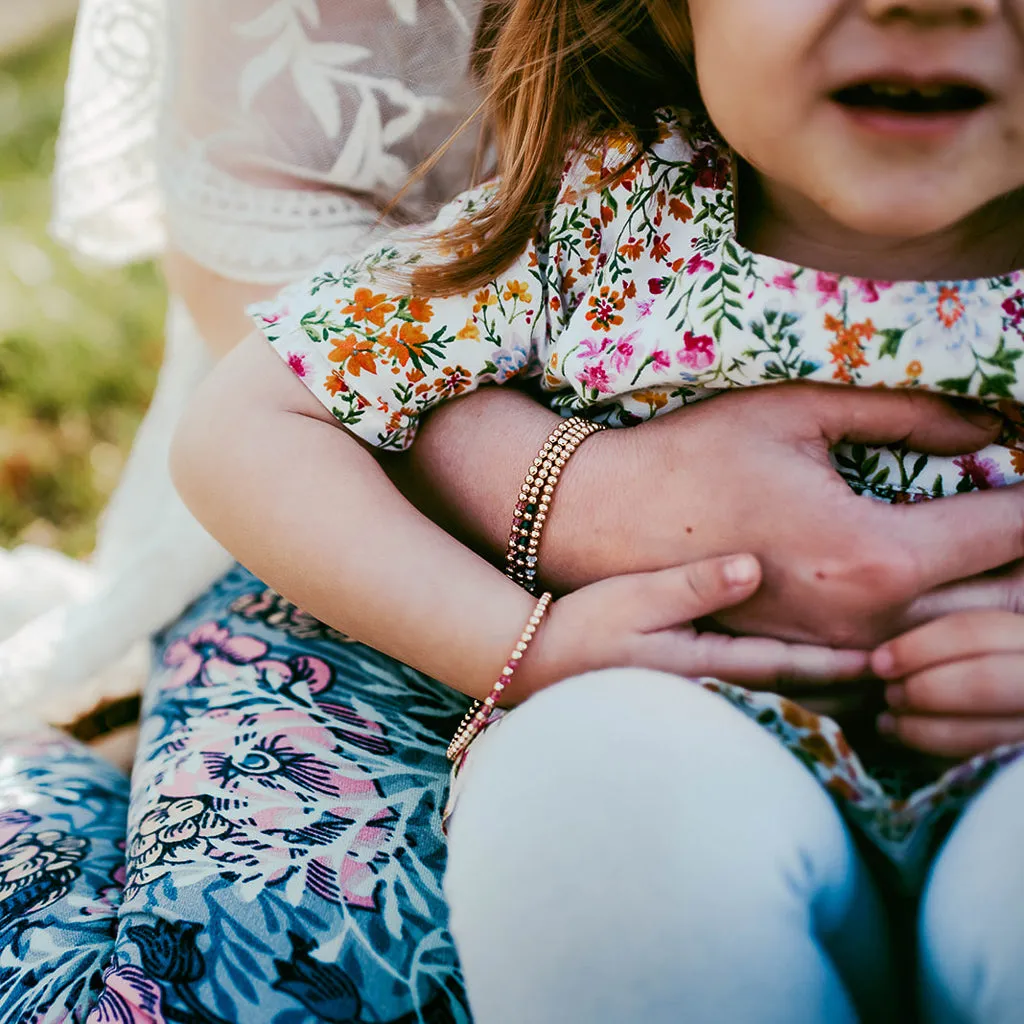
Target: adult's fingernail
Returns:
[979, 415]
[887, 725]
[741, 571]
[896, 696]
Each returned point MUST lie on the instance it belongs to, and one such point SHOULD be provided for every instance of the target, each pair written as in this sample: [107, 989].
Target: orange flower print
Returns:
[356, 354]
[517, 290]
[420, 309]
[632, 249]
[335, 384]
[847, 351]
[913, 374]
[367, 306]
[950, 306]
[653, 399]
[1017, 461]
[453, 381]
[678, 209]
[470, 332]
[484, 298]
[414, 376]
[595, 165]
[603, 313]
[404, 342]
[661, 248]
[592, 238]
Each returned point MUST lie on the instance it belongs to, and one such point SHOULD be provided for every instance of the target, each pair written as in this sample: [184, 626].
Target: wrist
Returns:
[599, 526]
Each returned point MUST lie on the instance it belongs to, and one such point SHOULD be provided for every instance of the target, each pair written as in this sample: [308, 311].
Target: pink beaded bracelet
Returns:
[477, 715]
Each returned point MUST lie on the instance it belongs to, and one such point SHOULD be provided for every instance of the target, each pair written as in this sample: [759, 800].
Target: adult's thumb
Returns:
[925, 422]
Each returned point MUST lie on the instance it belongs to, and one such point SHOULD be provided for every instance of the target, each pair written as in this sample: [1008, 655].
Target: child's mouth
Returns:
[910, 108]
[901, 98]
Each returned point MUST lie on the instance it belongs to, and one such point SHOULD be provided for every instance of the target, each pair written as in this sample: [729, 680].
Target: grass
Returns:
[80, 346]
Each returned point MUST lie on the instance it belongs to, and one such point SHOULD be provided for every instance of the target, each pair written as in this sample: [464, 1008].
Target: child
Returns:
[878, 141]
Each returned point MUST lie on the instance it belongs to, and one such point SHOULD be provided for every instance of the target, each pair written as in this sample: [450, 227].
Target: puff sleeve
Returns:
[378, 358]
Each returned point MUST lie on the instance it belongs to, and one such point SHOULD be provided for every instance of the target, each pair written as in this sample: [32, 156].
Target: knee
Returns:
[611, 731]
[972, 913]
[636, 753]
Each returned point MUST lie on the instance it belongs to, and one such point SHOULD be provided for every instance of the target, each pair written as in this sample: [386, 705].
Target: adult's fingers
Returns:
[954, 738]
[979, 687]
[676, 596]
[925, 422]
[960, 536]
[954, 638]
[750, 661]
[982, 593]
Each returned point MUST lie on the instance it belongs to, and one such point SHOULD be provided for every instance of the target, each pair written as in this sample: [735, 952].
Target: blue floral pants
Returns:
[277, 858]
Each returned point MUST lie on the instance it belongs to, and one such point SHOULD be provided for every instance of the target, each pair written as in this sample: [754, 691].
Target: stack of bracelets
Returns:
[528, 521]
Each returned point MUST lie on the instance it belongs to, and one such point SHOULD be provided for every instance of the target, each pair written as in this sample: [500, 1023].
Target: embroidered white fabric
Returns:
[256, 136]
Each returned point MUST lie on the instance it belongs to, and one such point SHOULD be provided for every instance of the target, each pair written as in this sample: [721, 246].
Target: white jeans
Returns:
[630, 849]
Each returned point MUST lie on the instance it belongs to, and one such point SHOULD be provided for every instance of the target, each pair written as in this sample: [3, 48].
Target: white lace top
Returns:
[255, 133]
[257, 136]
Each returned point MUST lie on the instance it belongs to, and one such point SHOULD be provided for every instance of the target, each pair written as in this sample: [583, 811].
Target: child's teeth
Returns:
[893, 90]
[931, 92]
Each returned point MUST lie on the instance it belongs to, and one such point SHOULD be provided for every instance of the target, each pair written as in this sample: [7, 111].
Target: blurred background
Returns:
[80, 345]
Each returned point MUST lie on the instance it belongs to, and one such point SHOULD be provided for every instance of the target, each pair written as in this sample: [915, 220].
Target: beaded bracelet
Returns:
[535, 496]
[477, 715]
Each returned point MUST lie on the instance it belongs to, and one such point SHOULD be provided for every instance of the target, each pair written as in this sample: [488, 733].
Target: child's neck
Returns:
[780, 223]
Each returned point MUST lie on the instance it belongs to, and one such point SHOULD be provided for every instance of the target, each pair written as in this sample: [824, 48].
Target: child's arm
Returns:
[308, 509]
[957, 684]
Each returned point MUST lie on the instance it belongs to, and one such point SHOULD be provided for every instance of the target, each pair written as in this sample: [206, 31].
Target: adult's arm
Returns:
[747, 471]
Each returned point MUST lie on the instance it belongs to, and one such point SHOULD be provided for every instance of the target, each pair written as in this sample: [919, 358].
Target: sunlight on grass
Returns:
[79, 346]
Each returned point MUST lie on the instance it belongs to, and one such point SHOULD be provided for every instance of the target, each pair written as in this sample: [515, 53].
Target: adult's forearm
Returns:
[469, 461]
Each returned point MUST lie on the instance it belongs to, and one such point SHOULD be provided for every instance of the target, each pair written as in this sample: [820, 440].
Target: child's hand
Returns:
[645, 620]
[957, 684]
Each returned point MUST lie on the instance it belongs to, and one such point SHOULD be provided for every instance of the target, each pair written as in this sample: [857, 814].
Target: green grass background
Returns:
[80, 346]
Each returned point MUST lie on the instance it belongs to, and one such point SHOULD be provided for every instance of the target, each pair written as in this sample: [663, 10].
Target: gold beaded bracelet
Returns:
[477, 715]
[535, 497]
[521, 558]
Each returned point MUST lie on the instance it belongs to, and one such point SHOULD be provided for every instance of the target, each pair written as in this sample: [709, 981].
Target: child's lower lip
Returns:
[894, 124]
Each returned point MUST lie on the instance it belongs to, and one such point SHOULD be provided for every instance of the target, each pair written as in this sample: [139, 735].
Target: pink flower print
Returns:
[593, 346]
[13, 823]
[315, 819]
[696, 264]
[656, 285]
[785, 282]
[644, 308]
[595, 377]
[356, 730]
[983, 473]
[623, 353]
[128, 997]
[297, 364]
[660, 360]
[828, 288]
[209, 646]
[870, 291]
[1013, 307]
[270, 318]
[698, 351]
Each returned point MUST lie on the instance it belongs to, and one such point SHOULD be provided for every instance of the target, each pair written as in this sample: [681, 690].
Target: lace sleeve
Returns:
[259, 136]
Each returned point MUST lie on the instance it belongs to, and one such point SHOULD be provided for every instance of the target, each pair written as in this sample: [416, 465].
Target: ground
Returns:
[79, 346]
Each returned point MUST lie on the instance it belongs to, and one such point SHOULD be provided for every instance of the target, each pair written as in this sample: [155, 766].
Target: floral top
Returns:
[635, 299]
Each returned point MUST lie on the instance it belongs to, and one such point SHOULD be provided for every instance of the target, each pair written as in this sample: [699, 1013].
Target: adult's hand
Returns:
[747, 471]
